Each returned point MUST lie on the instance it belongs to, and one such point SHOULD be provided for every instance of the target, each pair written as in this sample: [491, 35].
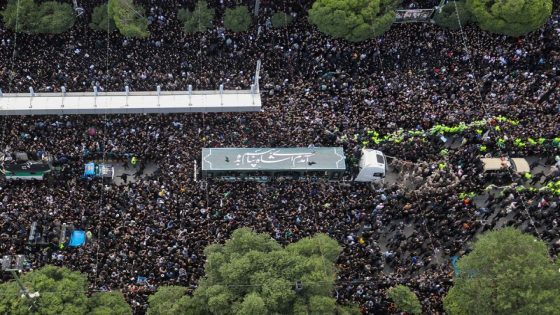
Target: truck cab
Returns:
[373, 166]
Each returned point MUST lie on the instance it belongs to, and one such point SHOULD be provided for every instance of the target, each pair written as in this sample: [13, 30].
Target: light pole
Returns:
[257, 7]
[14, 269]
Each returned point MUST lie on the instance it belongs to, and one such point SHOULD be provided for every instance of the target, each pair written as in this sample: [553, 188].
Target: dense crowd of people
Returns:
[316, 91]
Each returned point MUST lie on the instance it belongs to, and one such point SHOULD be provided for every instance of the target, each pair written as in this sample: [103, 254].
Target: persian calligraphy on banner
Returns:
[273, 156]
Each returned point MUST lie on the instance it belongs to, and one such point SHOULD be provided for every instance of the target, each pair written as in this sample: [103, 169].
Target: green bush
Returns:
[237, 19]
[447, 18]
[100, 20]
[198, 20]
[510, 17]
[353, 20]
[281, 19]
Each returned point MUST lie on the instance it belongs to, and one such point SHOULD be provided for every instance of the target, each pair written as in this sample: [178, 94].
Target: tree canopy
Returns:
[405, 300]
[198, 20]
[353, 20]
[55, 17]
[61, 291]
[100, 20]
[237, 19]
[129, 18]
[108, 303]
[49, 17]
[252, 274]
[280, 19]
[448, 16]
[507, 272]
[510, 17]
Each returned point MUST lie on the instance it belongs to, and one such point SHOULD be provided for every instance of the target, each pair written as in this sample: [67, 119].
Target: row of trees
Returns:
[358, 20]
[507, 272]
[200, 19]
[353, 20]
[251, 274]
[236, 19]
[508, 17]
[26, 16]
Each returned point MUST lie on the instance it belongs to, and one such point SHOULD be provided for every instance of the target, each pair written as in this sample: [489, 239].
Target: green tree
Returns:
[100, 20]
[61, 292]
[281, 19]
[353, 20]
[348, 310]
[198, 20]
[237, 19]
[447, 17]
[252, 274]
[507, 272]
[129, 18]
[405, 300]
[252, 304]
[171, 300]
[48, 18]
[55, 17]
[108, 303]
[510, 17]
[320, 305]
[28, 16]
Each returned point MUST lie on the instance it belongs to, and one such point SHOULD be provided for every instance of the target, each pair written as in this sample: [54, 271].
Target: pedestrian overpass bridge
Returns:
[126, 102]
[130, 102]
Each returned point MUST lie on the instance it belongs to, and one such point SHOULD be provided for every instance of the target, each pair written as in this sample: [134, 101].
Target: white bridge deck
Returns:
[133, 103]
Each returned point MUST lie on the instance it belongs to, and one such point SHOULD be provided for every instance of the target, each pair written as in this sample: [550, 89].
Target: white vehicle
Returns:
[518, 165]
[373, 166]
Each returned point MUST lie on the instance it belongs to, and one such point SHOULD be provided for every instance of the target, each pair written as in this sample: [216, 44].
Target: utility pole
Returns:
[20, 284]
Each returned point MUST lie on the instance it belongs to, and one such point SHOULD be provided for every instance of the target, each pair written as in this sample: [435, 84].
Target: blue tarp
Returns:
[89, 169]
[78, 238]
